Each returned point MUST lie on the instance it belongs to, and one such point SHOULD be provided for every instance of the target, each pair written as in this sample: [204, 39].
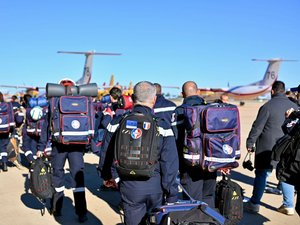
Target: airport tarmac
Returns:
[19, 207]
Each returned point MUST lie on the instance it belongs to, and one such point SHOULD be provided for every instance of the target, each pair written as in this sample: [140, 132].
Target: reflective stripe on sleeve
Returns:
[112, 128]
[28, 153]
[3, 153]
[165, 132]
[164, 109]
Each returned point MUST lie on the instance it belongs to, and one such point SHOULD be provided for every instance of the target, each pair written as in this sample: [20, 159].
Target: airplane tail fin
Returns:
[88, 65]
[112, 81]
[271, 74]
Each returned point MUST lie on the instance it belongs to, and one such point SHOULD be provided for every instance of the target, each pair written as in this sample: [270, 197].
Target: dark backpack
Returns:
[40, 179]
[137, 146]
[288, 167]
[6, 117]
[229, 200]
[280, 146]
[72, 119]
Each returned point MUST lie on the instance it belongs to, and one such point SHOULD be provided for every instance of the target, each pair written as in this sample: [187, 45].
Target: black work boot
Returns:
[82, 218]
[56, 205]
[4, 167]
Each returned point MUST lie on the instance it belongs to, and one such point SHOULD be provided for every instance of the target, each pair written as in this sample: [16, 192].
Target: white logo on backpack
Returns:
[227, 149]
[75, 124]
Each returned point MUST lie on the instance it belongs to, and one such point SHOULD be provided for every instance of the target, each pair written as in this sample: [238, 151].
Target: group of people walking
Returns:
[157, 183]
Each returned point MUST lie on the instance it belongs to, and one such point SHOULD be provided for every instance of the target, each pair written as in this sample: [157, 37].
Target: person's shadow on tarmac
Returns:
[249, 218]
[93, 184]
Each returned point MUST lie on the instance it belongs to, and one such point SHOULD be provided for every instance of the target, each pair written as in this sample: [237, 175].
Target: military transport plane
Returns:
[250, 91]
[87, 70]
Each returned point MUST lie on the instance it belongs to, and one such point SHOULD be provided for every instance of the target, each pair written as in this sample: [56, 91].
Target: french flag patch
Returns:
[146, 125]
[131, 124]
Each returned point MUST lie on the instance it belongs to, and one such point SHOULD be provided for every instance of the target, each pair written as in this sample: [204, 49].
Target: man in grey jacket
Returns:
[265, 131]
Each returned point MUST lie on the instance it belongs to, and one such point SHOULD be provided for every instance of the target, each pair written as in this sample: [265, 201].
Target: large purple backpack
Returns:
[72, 119]
[6, 117]
[212, 136]
[220, 125]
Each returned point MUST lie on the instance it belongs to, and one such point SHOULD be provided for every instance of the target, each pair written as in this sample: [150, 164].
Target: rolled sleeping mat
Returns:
[55, 90]
[90, 90]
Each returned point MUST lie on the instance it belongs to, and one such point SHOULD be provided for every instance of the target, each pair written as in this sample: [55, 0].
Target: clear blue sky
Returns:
[165, 41]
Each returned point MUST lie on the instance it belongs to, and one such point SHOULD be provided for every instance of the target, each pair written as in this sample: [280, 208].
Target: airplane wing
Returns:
[21, 87]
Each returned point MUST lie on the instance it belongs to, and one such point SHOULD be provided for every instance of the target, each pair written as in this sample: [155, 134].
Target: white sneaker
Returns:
[285, 210]
[251, 208]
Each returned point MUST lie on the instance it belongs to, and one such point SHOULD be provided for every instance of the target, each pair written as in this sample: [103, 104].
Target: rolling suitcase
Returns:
[186, 212]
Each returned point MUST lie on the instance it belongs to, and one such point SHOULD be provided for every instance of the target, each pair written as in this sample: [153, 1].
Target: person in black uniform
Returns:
[163, 107]
[141, 196]
[198, 183]
[7, 127]
[60, 153]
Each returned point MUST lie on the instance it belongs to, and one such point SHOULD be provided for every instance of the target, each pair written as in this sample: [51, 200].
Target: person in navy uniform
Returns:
[60, 153]
[140, 197]
[198, 183]
[31, 133]
[4, 135]
[163, 107]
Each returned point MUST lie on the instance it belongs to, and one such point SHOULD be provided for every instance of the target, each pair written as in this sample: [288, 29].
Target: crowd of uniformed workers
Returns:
[138, 197]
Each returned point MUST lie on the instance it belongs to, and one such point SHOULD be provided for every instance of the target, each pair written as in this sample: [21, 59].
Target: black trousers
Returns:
[200, 185]
[74, 155]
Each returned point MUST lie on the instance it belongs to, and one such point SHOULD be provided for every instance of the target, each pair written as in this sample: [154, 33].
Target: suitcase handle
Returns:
[204, 207]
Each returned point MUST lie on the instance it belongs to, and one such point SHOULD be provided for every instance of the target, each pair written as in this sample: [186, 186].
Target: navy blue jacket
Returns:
[164, 108]
[164, 179]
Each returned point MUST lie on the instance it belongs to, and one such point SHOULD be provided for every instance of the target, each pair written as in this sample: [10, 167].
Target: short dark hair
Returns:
[115, 93]
[1, 97]
[158, 88]
[278, 87]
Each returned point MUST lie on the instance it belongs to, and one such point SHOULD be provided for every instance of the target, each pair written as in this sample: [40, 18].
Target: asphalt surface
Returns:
[19, 207]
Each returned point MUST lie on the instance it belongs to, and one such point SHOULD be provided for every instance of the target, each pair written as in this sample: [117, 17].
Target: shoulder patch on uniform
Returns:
[136, 133]
[146, 125]
[131, 124]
